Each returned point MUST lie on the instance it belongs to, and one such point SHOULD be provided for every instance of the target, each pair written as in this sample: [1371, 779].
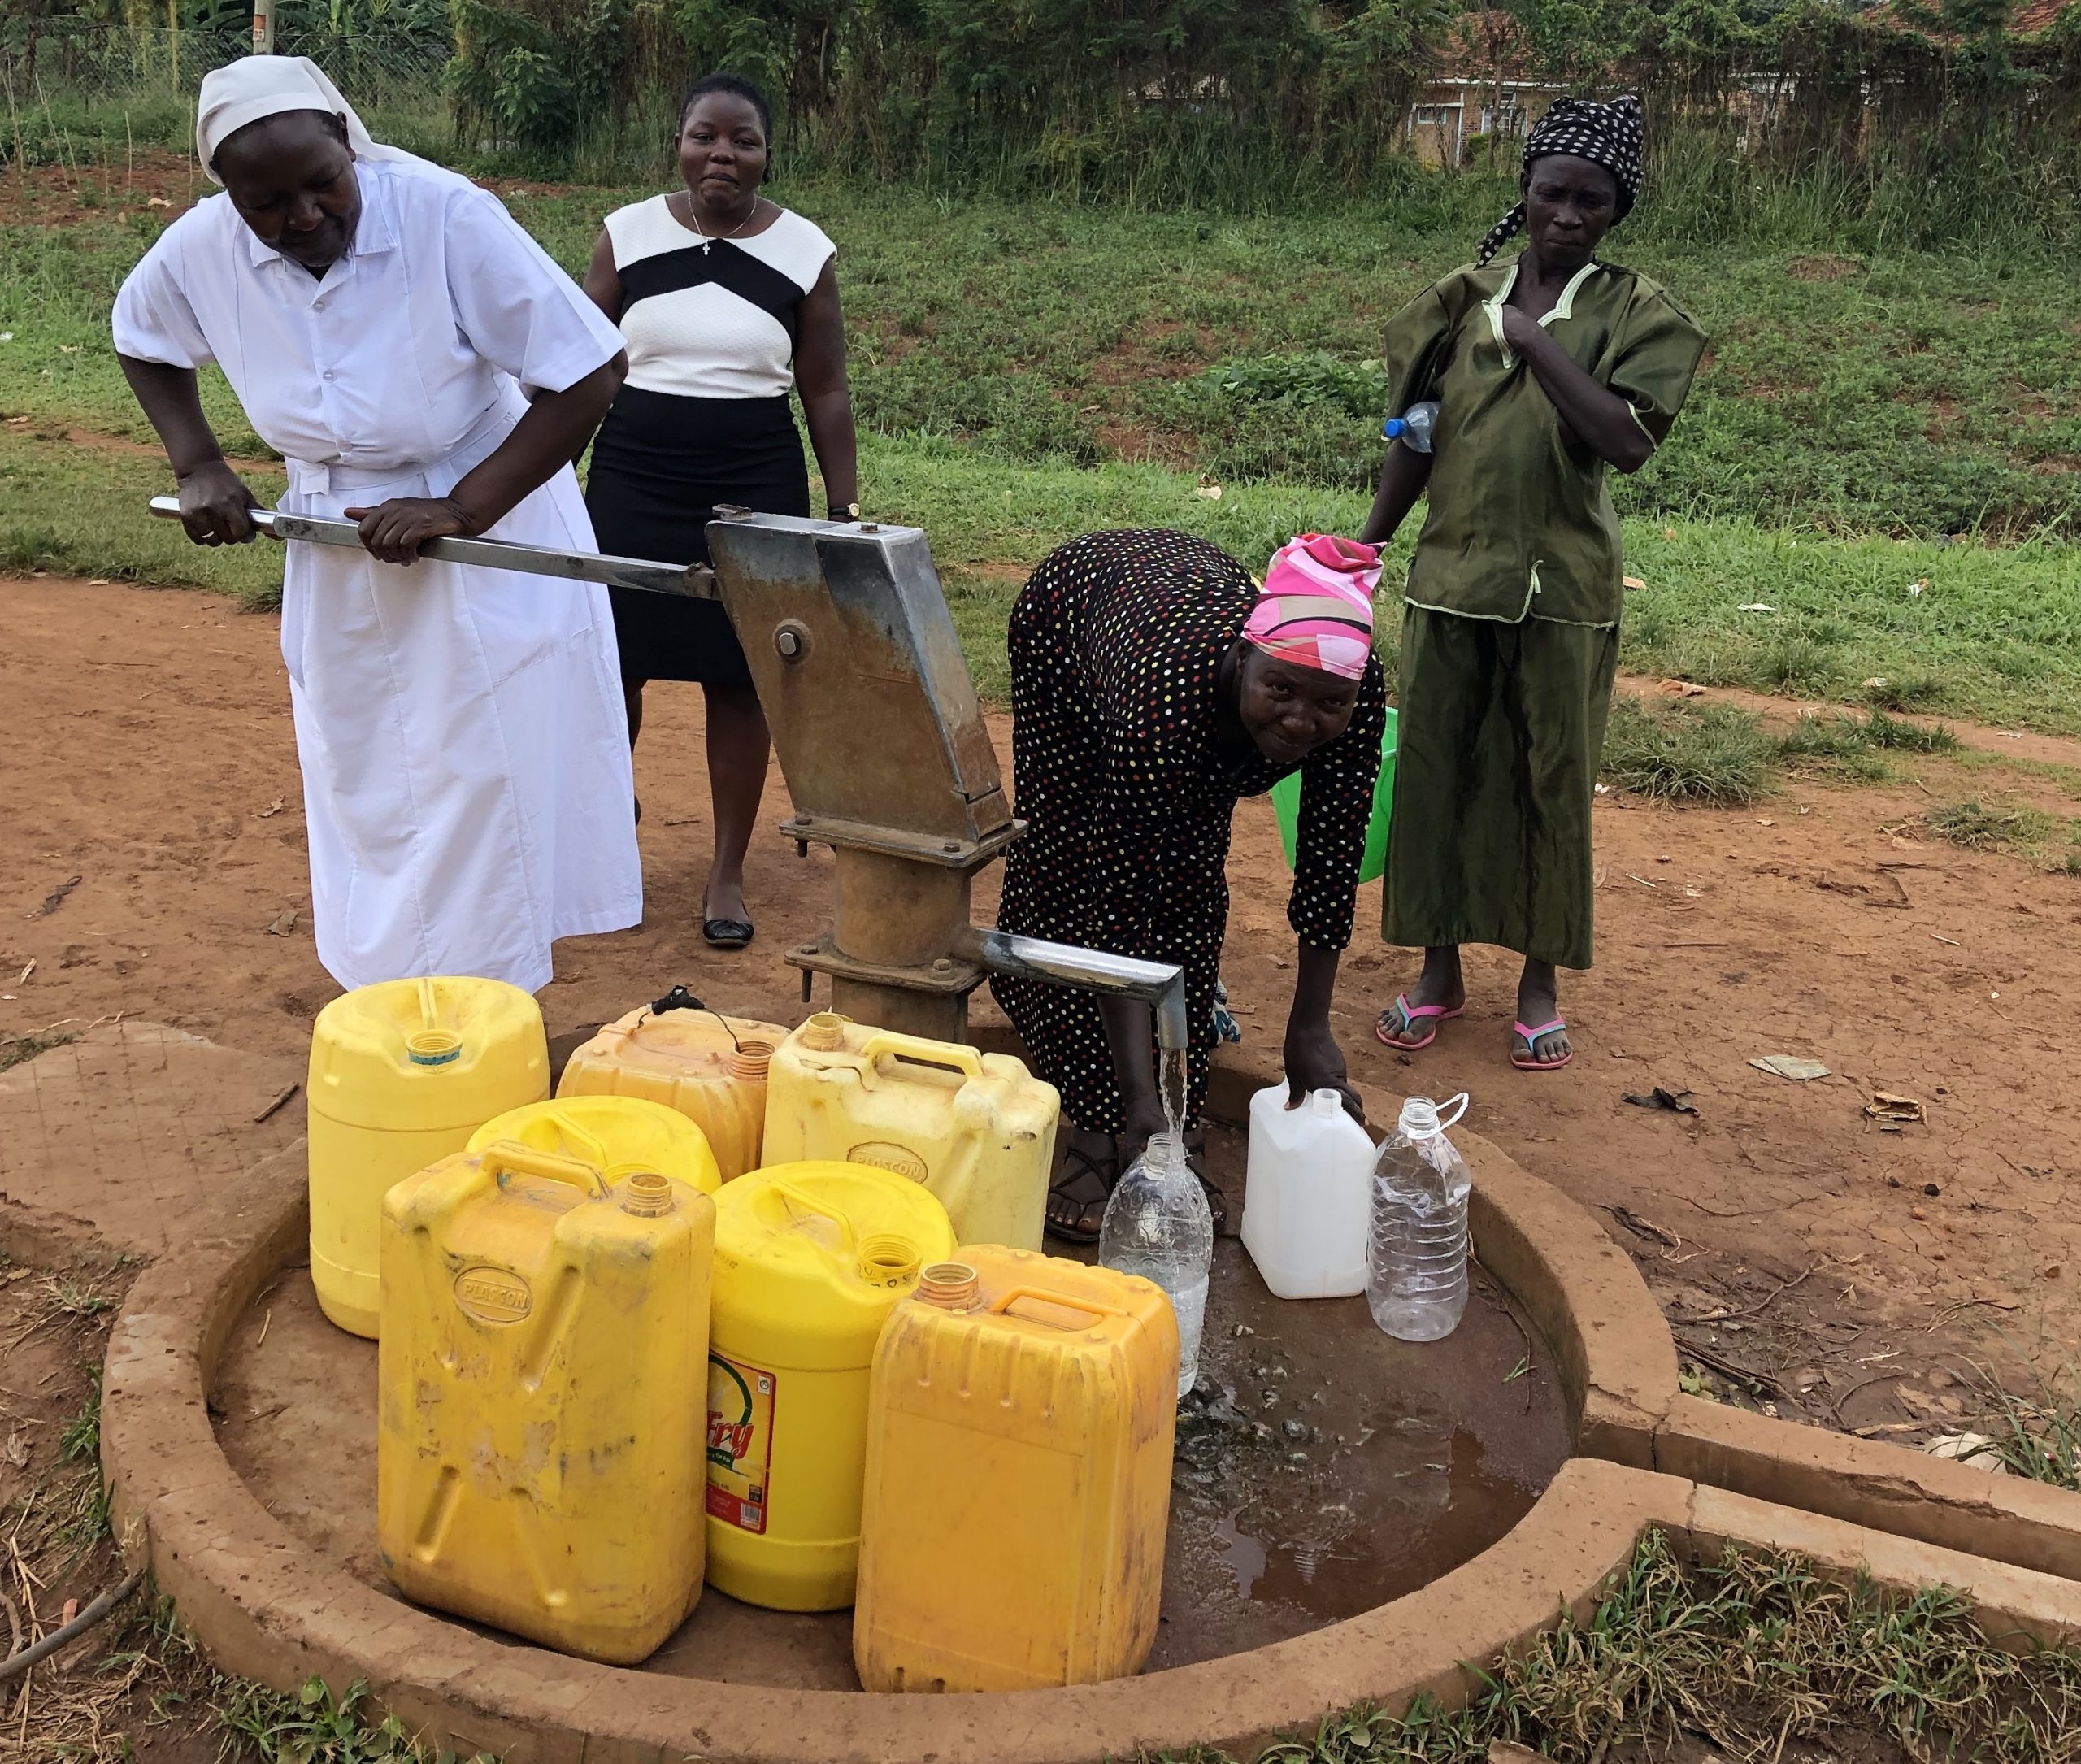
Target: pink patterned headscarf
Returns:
[1316, 607]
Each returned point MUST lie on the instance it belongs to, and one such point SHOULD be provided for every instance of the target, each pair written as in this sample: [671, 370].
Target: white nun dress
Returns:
[464, 747]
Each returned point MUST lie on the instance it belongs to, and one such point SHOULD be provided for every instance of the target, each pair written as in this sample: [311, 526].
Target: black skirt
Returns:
[660, 466]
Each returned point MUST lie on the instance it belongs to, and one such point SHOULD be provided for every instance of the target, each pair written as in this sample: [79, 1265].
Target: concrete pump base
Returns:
[264, 1605]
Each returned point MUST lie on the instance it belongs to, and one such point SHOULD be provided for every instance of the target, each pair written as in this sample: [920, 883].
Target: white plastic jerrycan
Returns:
[1307, 1193]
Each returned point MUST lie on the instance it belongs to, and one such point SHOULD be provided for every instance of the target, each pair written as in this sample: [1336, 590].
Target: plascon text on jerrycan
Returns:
[977, 1129]
[1307, 1195]
[618, 1135]
[540, 1378]
[810, 1259]
[1017, 1486]
[402, 1074]
[710, 1067]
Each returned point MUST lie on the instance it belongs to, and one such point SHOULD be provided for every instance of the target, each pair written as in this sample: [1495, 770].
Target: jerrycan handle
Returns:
[430, 1045]
[809, 1203]
[1096, 1309]
[507, 1157]
[949, 1055]
[591, 1150]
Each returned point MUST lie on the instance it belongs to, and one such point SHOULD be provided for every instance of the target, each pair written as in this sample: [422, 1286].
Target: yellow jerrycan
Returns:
[1018, 1485]
[401, 1075]
[810, 1258]
[977, 1129]
[618, 1135]
[540, 1372]
[710, 1067]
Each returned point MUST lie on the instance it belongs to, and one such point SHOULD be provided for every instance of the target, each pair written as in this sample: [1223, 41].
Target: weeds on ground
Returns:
[2038, 1435]
[16, 1049]
[1748, 1653]
[312, 1727]
[2045, 840]
[1687, 752]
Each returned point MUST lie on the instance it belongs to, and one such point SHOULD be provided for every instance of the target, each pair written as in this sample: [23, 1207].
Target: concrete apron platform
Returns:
[1646, 1456]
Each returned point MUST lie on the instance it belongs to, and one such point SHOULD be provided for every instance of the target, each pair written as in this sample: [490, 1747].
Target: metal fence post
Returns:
[264, 27]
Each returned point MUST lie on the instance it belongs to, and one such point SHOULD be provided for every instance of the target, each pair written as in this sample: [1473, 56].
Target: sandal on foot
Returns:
[1529, 1061]
[726, 933]
[1075, 1217]
[1411, 1015]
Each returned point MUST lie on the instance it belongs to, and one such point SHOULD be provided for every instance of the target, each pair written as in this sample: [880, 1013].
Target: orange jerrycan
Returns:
[618, 1135]
[401, 1075]
[977, 1129]
[709, 1067]
[810, 1259]
[541, 1377]
[1018, 1485]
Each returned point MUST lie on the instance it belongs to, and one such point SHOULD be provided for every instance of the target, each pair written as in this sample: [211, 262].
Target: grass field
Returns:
[1885, 453]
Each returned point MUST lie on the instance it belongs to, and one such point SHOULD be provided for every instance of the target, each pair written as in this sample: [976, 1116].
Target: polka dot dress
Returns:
[1128, 759]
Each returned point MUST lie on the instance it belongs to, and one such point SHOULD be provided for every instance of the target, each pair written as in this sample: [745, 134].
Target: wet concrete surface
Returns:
[1321, 1468]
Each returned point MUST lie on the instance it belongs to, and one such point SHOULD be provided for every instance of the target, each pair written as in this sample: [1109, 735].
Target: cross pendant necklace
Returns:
[708, 239]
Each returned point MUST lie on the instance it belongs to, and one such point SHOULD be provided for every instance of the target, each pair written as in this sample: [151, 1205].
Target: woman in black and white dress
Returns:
[726, 301]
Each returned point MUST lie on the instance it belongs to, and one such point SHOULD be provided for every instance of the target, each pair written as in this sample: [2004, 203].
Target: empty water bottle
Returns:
[1157, 1224]
[1414, 427]
[1416, 1253]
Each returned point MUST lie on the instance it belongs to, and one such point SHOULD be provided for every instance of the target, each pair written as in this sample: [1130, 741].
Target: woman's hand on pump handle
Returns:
[213, 504]
[395, 531]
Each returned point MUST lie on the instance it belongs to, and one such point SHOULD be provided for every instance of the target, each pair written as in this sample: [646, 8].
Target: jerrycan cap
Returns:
[1422, 1118]
[825, 1032]
[950, 1285]
[888, 1260]
[648, 1195]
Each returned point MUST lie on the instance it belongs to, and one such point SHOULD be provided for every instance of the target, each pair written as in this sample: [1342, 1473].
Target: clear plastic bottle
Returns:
[1157, 1224]
[1416, 1252]
[1414, 427]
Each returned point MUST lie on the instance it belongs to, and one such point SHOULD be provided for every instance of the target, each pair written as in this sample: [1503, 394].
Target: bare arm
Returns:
[1603, 420]
[544, 441]
[1403, 475]
[826, 394]
[602, 282]
[214, 498]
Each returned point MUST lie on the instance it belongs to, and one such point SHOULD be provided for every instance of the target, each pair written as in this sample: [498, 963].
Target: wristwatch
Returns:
[845, 511]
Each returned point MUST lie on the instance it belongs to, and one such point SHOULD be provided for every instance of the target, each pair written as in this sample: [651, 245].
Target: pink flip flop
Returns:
[1412, 1015]
[1530, 1037]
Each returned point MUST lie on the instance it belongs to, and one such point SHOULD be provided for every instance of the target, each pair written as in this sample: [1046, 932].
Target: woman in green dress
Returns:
[1546, 370]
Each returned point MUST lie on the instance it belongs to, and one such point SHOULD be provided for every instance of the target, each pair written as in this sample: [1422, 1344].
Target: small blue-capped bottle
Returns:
[1414, 427]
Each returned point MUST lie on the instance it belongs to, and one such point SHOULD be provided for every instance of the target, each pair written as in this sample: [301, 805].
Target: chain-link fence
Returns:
[53, 70]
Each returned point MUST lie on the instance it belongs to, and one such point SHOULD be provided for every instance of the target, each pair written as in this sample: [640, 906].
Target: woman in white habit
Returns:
[464, 747]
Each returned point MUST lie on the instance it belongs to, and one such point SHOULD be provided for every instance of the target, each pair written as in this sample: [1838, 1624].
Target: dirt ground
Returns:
[1810, 1258]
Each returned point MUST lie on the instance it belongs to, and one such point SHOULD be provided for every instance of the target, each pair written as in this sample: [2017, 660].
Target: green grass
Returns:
[1917, 394]
[312, 1727]
[1025, 372]
[1690, 752]
[1998, 626]
[1748, 1652]
[2051, 842]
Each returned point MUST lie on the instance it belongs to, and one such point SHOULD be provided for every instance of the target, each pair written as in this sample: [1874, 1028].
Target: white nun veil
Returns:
[253, 86]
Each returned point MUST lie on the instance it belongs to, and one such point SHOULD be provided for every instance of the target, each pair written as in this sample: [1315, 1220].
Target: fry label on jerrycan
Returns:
[740, 1442]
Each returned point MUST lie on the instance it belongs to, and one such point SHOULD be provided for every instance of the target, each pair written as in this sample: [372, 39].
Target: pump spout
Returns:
[1159, 985]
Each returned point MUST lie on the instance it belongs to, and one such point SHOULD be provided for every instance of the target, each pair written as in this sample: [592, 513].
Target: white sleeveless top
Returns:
[716, 320]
